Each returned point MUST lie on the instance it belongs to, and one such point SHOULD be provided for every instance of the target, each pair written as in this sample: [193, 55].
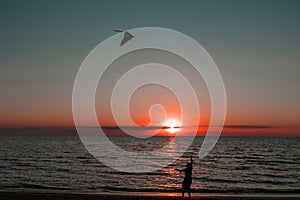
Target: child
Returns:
[186, 185]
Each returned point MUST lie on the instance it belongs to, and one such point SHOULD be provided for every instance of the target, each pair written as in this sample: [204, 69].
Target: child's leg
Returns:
[183, 190]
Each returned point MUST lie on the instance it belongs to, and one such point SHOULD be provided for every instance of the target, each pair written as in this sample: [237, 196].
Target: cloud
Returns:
[247, 126]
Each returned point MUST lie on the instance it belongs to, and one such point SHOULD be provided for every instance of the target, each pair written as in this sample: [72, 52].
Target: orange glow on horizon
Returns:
[173, 126]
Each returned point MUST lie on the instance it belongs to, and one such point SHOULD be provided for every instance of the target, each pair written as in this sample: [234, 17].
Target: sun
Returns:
[172, 125]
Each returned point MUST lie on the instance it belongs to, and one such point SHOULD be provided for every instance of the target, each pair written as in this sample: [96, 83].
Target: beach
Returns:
[10, 195]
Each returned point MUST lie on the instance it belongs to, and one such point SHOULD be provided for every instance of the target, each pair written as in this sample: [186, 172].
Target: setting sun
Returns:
[172, 125]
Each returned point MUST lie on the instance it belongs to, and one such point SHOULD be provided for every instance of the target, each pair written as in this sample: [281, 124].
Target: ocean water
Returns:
[236, 165]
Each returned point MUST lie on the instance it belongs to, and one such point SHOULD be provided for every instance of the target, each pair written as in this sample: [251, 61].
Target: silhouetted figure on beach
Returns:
[186, 185]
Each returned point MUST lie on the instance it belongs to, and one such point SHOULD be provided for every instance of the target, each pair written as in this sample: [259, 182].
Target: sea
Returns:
[236, 165]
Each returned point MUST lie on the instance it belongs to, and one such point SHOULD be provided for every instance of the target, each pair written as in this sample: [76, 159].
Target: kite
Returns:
[127, 36]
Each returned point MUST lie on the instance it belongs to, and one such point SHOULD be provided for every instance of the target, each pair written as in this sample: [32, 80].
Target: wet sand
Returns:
[11, 195]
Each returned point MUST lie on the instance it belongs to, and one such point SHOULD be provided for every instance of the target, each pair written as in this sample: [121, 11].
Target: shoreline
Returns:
[38, 195]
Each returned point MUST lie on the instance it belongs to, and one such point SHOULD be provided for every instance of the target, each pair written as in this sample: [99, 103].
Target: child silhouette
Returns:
[187, 181]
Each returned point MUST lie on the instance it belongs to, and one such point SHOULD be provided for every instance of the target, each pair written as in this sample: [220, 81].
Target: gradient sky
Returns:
[256, 45]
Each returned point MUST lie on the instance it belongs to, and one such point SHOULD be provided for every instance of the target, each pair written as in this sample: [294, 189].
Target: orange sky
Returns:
[139, 105]
[57, 113]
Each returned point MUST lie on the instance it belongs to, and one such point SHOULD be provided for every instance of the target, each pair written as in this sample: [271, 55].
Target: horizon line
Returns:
[230, 126]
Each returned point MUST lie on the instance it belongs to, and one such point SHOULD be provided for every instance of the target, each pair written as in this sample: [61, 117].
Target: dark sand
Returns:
[125, 196]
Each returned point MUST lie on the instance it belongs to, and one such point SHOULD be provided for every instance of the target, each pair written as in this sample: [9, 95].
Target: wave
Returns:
[34, 186]
[210, 191]
[249, 182]
[272, 176]
[271, 162]
[124, 189]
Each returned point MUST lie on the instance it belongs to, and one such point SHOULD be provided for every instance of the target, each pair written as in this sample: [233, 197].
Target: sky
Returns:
[255, 44]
